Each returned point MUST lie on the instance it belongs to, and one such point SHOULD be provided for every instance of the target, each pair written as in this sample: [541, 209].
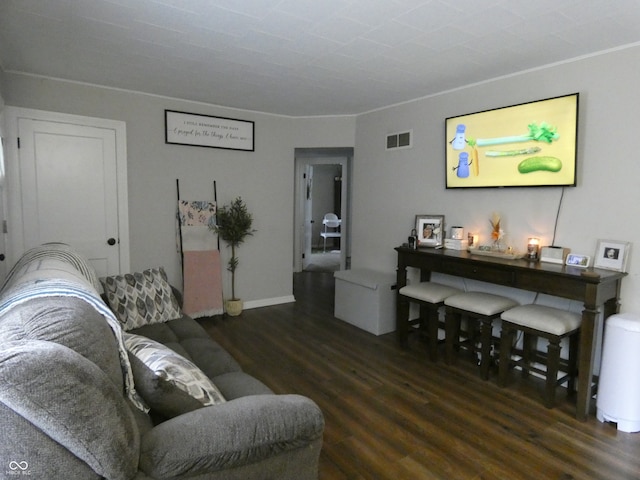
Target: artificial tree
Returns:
[233, 224]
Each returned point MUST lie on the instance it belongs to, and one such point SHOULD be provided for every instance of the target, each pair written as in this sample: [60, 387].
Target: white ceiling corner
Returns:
[303, 57]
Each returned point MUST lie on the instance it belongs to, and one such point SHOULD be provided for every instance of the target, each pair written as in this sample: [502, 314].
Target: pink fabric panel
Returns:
[202, 283]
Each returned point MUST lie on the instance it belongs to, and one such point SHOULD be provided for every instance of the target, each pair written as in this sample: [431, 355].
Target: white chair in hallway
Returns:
[330, 229]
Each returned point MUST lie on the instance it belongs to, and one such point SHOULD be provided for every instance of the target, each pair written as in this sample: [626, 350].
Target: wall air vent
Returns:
[400, 140]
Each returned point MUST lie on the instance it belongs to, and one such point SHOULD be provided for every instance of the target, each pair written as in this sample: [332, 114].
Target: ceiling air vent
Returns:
[400, 140]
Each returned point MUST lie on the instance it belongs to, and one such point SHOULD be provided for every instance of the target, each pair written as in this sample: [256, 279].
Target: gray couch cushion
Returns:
[240, 432]
[186, 327]
[71, 400]
[68, 321]
[240, 384]
[185, 336]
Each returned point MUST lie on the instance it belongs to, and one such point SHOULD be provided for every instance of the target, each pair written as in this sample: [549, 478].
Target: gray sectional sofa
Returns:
[79, 398]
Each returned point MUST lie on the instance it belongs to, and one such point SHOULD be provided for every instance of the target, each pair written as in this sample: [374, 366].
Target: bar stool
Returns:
[431, 296]
[478, 306]
[540, 321]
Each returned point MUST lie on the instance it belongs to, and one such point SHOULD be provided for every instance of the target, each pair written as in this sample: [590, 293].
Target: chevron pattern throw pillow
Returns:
[141, 298]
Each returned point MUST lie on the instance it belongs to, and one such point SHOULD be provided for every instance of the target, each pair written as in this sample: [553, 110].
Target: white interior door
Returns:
[308, 217]
[69, 189]
[3, 256]
[3, 217]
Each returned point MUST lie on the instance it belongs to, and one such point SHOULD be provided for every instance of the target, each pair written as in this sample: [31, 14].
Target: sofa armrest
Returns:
[239, 432]
[70, 401]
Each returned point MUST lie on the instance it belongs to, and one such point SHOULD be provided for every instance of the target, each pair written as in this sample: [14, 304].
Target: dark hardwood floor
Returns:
[393, 414]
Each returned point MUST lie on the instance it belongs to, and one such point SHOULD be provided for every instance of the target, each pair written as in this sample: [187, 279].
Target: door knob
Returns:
[1, 257]
[111, 241]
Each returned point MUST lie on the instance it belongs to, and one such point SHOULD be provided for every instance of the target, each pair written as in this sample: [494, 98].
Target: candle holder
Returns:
[472, 240]
[533, 248]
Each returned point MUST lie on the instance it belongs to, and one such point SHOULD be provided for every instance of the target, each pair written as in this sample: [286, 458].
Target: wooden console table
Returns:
[596, 288]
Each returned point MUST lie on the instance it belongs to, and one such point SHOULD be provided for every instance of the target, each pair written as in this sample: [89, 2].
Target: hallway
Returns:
[320, 261]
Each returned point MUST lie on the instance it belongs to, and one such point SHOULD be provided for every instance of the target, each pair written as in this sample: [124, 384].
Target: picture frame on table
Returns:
[430, 229]
[575, 260]
[612, 255]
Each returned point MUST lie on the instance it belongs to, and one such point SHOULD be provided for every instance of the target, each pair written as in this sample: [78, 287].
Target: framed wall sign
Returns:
[195, 130]
[430, 229]
[612, 255]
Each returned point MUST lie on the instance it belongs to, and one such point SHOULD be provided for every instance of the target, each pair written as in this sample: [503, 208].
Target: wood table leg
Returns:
[402, 309]
[585, 362]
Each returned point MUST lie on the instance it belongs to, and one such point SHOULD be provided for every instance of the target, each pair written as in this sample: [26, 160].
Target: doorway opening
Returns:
[322, 187]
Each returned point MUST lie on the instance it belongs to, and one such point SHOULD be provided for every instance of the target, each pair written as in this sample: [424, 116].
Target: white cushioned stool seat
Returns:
[429, 291]
[480, 302]
[478, 306]
[541, 317]
[430, 296]
[535, 321]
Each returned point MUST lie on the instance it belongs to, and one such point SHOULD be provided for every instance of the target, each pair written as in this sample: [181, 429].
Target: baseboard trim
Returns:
[268, 302]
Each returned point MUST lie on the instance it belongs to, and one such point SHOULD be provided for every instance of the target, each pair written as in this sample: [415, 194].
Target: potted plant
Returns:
[233, 224]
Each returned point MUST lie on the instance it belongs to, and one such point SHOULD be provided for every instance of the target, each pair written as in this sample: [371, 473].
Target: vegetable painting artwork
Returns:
[530, 144]
[511, 153]
[537, 164]
[538, 133]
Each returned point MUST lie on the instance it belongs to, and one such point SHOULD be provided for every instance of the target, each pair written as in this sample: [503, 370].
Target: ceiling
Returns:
[303, 57]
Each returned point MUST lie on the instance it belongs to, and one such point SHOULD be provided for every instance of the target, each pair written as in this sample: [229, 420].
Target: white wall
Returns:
[390, 188]
[1, 88]
[264, 178]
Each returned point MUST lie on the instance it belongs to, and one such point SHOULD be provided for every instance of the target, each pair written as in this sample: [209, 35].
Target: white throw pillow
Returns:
[167, 381]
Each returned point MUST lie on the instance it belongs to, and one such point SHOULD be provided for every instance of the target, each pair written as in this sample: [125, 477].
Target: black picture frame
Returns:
[532, 144]
[197, 130]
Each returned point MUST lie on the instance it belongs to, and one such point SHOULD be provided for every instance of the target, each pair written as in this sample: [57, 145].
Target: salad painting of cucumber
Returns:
[540, 164]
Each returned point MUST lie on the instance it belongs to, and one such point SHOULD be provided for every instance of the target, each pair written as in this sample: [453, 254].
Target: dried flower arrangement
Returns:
[497, 233]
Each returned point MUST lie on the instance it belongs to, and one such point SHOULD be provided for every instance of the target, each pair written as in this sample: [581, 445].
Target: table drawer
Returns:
[486, 273]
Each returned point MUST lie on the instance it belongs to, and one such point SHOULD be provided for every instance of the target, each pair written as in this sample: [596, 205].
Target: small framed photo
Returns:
[430, 230]
[612, 255]
[574, 260]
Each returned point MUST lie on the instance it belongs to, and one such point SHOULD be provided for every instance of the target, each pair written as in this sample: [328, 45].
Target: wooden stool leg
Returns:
[402, 321]
[485, 348]
[452, 335]
[424, 318]
[432, 332]
[506, 341]
[529, 343]
[553, 365]
[573, 361]
[472, 333]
